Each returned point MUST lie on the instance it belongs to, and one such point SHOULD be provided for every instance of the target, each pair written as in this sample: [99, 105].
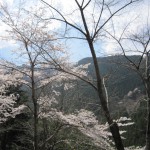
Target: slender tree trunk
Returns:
[4, 141]
[35, 127]
[148, 118]
[113, 125]
[45, 132]
[35, 110]
[147, 85]
[148, 127]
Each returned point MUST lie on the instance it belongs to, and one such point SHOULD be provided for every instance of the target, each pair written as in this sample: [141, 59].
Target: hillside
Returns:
[120, 79]
[125, 90]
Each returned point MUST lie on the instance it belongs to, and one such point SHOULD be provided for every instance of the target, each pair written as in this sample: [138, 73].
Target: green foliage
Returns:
[136, 134]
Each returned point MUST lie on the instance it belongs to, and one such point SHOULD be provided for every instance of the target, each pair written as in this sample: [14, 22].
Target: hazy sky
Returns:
[137, 15]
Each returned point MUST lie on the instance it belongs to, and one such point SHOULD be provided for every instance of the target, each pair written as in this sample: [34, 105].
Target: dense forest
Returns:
[50, 102]
[128, 101]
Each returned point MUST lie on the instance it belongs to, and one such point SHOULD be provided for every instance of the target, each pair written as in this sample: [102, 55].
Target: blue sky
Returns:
[78, 49]
[6, 50]
[5, 53]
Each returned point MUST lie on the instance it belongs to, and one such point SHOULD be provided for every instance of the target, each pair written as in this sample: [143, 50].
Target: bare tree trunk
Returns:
[4, 141]
[147, 85]
[35, 127]
[113, 125]
[45, 130]
[148, 117]
[148, 127]
[35, 109]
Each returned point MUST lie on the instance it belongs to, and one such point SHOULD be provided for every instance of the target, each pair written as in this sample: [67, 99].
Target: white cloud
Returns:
[5, 42]
[135, 18]
[9, 3]
[137, 15]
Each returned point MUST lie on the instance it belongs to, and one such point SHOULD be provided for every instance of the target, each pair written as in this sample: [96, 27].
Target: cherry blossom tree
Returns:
[85, 121]
[30, 37]
[42, 60]
[7, 102]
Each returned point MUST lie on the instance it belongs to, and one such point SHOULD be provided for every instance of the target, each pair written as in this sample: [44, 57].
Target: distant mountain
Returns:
[120, 79]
